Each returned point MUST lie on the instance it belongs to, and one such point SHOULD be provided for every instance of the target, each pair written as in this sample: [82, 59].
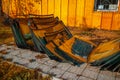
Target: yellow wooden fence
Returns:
[74, 13]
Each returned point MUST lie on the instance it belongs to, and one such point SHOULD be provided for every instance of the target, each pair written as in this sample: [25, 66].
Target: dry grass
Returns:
[5, 31]
[10, 71]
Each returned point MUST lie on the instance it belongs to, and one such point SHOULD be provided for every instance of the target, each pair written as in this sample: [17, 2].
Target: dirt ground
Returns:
[5, 31]
[95, 35]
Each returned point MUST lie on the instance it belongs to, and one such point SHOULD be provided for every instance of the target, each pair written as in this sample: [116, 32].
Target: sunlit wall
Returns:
[74, 13]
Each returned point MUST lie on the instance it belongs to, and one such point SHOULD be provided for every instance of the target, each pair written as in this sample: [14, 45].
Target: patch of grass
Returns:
[5, 32]
[10, 71]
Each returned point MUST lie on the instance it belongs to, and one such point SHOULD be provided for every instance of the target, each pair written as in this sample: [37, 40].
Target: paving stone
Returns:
[23, 61]
[83, 66]
[64, 66]
[33, 65]
[63, 70]
[117, 76]
[69, 76]
[106, 75]
[26, 55]
[90, 74]
[16, 59]
[54, 78]
[8, 56]
[51, 62]
[22, 51]
[56, 72]
[43, 60]
[84, 78]
[35, 53]
[93, 68]
[117, 73]
[75, 69]
[3, 48]
[27, 52]
[44, 68]
[40, 56]
[10, 50]
[15, 52]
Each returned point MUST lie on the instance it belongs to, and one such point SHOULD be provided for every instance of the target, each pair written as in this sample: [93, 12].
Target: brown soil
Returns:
[96, 35]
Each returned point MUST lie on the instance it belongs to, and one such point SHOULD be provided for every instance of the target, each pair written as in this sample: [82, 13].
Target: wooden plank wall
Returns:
[74, 13]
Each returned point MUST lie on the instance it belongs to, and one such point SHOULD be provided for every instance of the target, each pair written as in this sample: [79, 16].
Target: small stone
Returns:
[90, 74]
[70, 76]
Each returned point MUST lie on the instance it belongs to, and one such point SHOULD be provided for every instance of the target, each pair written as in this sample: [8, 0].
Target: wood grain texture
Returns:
[64, 11]
[96, 20]
[75, 13]
[72, 13]
[80, 12]
[51, 6]
[106, 20]
[44, 7]
[57, 8]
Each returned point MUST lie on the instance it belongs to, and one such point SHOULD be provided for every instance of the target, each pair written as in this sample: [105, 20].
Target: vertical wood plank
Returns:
[17, 9]
[10, 7]
[51, 6]
[72, 13]
[80, 12]
[13, 8]
[5, 4]
[118, 5]
[44, 7]
[116, 22]
[37, 7]
[96, 21]
[24, 7]
[106, 20]
[57, 8]
[89, 5]
[64, 8]
[2, 5]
